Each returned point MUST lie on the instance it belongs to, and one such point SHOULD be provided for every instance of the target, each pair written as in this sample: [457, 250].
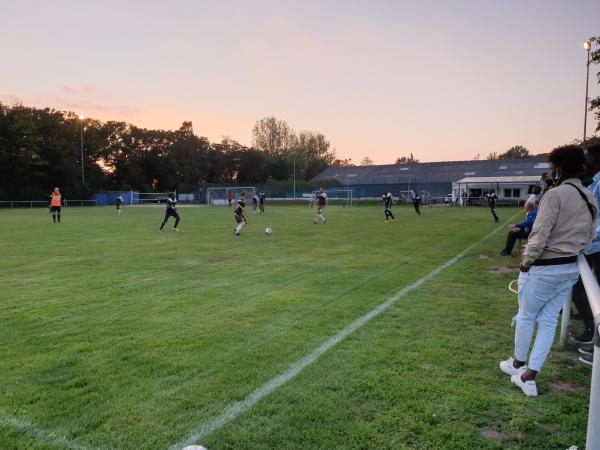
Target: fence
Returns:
[43, 203]
[593, 293]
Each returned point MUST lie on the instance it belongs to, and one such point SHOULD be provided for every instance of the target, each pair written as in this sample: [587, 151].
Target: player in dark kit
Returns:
[387, 202]
[119, 203]
[261, 202]
[492, 198]
[416, 199]
[321, 198]
[254, 203]
[171, 211]
[240, 215]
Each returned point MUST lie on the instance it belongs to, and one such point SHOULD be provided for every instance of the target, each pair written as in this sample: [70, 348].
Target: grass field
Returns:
[115, 336]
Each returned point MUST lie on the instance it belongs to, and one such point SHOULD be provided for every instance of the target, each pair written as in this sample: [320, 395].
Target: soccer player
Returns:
[492, 198]
[261, 202]
[416, 199]
[240, 215]
[171, 211]
[55, 204]
[254, 203]
[119, 202]
[387, 202]
[229, 198]
[321, 205]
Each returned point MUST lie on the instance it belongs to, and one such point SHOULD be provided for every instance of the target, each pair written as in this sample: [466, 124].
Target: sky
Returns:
[443, 80]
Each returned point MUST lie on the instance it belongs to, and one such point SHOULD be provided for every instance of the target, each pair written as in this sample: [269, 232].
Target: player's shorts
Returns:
[238, 219]
[55, 209]
[118, 207]
[171, 213]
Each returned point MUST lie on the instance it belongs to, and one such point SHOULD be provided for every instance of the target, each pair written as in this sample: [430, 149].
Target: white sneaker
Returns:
[508, 367]
[528, 387]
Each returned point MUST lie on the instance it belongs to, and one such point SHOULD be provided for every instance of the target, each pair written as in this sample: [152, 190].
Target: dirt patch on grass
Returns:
[492, 434]
[564, 387]
[503, 270]
[483, 257]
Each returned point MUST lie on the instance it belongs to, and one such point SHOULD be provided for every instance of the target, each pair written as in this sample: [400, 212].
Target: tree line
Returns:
[40, 149]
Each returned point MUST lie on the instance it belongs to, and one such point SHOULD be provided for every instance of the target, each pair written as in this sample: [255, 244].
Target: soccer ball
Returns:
[268, 231]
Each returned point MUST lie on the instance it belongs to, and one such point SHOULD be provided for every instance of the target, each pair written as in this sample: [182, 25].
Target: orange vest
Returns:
[55, 199]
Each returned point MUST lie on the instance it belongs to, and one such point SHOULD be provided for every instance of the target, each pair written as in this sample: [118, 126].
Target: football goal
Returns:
[149, 198]
[340, 197]
[218, 195]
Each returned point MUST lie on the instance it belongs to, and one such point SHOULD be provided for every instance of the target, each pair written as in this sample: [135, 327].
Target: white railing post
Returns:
[592, 291]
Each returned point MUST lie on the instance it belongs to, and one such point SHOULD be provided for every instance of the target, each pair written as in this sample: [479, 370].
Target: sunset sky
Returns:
[444, 80]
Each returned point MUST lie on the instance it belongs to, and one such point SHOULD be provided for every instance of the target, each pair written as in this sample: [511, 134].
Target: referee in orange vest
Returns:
[55, 204]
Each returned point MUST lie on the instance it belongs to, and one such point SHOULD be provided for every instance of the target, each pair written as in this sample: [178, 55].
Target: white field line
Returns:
[238, 408]
[38, 433]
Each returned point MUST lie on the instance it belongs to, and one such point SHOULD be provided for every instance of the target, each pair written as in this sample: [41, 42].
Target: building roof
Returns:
[515, 179]
[435, 172]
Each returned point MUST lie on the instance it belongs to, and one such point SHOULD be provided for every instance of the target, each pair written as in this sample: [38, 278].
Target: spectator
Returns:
[534, 197]
[546, 182]
[592, 165]
[564, 226]
[520, 230]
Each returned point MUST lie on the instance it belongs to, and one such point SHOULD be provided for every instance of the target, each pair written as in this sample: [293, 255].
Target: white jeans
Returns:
[541, 297]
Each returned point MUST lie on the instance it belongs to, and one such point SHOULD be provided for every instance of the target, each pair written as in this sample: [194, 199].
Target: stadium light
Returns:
[586, 45]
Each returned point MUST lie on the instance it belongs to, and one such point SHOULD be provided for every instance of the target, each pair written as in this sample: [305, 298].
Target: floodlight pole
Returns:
[81, 118]
[587, 45]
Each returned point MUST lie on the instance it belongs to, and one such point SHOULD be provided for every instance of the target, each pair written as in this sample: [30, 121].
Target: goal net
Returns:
[218, 195]
[152, 198]
[340, 197]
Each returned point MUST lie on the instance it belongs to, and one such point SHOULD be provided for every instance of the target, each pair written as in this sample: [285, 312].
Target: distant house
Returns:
[510, 178]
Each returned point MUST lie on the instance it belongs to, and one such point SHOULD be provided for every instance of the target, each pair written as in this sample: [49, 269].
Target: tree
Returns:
[273, 136]
[595, 59]
[366, 161]
[515, 152]
[407, 160]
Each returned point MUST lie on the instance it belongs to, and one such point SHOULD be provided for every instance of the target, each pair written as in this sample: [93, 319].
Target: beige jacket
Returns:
[563, 226]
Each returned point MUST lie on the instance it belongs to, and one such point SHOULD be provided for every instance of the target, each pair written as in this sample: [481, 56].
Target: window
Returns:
[512, 193]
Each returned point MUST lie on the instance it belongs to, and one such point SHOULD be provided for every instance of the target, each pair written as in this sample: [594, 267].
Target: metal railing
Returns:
[43, 203]
[593, 293]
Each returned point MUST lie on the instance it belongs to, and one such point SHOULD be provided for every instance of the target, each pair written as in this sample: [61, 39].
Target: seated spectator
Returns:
[520, 230]
[564, 227]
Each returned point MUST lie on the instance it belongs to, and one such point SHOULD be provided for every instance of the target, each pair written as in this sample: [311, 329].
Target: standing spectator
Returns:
[580, 299]
[564, 226]
[492, 199]
[229, 198]
[534, 197]
[546, 182]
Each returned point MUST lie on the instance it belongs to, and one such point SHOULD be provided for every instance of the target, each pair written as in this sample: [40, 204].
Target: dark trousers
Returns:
[417, 207]
[168, 214]
[580, 299]
[512, 238]
[493, 210]
[388, 214]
